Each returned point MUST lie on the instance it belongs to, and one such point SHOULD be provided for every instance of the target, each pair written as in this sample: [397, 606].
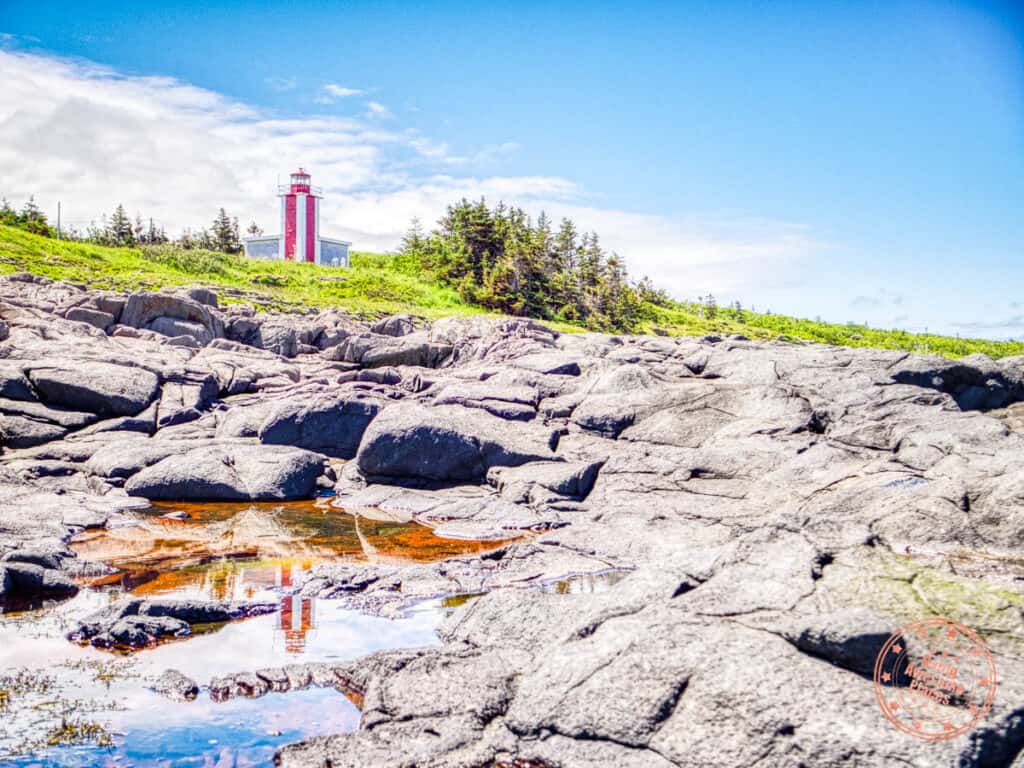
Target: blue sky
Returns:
[853, 160]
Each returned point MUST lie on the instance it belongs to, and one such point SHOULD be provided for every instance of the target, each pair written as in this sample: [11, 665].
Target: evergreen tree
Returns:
[498, 258]
[413, 241]
[566, 246]
[223, 234]
[119, 229]
[205, 240]
[710, 307]
[34, 220]
[31, 211]
[8, 215]
[254, 229]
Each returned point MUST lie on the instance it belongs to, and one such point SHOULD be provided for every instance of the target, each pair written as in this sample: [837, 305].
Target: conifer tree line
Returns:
[501, 259]
[29, 217]
[120, 230]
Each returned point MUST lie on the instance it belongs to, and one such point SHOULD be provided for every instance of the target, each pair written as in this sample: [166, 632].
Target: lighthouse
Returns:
[300, 219]
[300, 238]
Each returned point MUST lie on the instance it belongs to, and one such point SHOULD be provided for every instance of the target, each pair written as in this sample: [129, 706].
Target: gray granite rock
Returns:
[230, 472]
[332, 424]
[697, 546]
[446, 443]
[117, 390]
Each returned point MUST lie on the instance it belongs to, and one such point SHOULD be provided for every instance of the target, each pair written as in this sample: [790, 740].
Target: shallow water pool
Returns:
[62, 704]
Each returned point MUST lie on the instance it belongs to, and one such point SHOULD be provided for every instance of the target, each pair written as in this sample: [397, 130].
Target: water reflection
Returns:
[252, 552]
[297, 619]
[86, 685]
[232, 551]
[239, 552]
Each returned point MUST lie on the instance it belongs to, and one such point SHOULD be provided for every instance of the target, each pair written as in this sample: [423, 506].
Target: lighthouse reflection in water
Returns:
[253, 552]
[298, 614]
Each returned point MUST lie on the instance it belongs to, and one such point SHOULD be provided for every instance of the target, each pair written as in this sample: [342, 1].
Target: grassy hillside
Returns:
[370, 287]
[378, 283]
[687, 318]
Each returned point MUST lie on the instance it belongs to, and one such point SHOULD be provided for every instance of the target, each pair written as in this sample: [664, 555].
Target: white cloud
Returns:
[376, 109]
[331, 92]
[341, 91]
[92, 138]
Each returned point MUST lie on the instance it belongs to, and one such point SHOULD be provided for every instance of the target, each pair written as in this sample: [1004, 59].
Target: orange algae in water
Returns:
[238, 550]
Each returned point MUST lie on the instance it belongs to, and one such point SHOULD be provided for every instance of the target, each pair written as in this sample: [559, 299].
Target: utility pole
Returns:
[58, 219]
[150, 230]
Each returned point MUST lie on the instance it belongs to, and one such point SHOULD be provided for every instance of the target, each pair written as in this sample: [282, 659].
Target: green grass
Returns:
[381, 283]
[690, 319]
[371, 287]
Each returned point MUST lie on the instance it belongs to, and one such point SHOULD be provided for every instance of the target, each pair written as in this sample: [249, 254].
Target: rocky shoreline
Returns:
[775, 512]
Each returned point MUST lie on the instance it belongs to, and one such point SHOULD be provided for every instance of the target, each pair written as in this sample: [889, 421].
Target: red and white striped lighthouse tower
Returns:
[300, 219]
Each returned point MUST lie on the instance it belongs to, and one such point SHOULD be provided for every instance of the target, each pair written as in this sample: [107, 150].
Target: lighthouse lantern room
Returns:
[300, 227]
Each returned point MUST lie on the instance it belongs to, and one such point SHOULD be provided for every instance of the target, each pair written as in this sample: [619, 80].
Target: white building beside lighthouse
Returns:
[300, 238]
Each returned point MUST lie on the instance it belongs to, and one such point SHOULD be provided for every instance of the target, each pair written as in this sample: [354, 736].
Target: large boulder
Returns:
[328, 423]
[273, 334]
[447, 443]
[120, 458]
[541, 481]
[60, 416]
[145, 310]
[104, 388]
[205, 296]
[24, 424]
[141, 631]
[175, 328]
[281, 338]
[94, 317]
[373, 350]
[231, 472]
[394, 325]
